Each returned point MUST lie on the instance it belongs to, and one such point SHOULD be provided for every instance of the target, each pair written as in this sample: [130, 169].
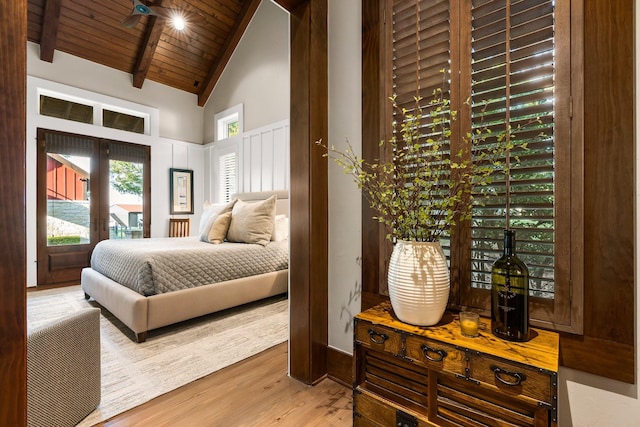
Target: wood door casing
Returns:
[13, 77]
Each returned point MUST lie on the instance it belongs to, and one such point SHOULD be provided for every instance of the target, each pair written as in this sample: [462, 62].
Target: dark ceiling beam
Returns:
[290, 5]
[49, 35]
[151, 39]
[230, 44]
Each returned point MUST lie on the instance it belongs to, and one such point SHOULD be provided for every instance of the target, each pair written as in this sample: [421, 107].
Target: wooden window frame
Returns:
[584, 349]
[563, 312]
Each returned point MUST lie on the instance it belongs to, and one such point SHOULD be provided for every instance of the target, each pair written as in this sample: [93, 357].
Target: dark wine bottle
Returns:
[510, 294]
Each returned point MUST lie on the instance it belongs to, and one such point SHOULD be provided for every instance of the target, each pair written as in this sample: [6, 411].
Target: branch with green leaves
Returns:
[424, 189]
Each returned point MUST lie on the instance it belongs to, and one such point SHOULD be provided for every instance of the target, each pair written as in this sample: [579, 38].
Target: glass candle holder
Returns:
[469, 324]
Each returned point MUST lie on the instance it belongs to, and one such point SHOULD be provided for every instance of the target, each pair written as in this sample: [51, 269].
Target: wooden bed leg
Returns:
[86, 296]
[141, 337]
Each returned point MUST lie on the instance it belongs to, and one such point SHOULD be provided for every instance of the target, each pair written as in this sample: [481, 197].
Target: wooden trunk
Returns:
[426, 376]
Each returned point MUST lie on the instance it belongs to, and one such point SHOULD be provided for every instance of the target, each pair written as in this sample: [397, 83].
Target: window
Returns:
[227, 176]
[226, 152]
[77, 109]
[500, 65]
[228, 126]
[122, 121]
[228, 123]
[68, 110]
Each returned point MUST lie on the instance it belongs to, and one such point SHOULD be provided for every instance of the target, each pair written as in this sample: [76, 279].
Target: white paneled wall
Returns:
[262, 160]
[168, 154]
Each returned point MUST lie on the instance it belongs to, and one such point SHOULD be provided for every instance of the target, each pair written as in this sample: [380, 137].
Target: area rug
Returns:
[170, 357]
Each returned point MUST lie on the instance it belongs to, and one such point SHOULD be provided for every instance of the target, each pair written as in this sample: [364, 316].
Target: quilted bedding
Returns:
[160, 265]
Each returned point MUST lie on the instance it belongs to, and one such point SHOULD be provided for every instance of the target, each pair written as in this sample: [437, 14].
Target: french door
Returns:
[89, 189]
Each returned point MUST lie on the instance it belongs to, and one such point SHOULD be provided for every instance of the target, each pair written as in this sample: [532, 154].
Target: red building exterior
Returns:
[65, 181]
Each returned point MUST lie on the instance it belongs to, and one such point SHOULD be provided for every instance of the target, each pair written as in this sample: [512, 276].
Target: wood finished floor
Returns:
[254, 392]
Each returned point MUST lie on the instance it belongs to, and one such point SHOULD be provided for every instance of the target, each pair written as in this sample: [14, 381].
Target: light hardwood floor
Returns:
[254, 392]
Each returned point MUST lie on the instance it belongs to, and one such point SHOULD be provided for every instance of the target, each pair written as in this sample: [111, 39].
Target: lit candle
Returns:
[469, 324]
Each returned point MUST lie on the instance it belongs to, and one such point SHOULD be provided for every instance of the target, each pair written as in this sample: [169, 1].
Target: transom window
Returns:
[228, 123]
[75, 109]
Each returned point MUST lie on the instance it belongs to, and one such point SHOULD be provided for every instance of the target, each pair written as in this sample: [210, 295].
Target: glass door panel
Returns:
[126, 200]
[68, 203]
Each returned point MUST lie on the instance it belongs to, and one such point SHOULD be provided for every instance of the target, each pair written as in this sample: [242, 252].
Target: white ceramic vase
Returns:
[419, 282]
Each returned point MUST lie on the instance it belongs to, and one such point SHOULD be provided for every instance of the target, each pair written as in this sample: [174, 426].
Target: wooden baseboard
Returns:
[340, 366]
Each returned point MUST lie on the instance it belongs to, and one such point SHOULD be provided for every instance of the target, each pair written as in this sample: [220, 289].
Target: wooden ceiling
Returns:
[191, 60]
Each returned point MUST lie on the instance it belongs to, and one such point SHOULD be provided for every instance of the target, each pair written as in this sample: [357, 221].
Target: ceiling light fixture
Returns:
[178, 23]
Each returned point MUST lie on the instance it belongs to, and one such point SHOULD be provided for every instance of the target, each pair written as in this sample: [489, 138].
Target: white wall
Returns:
[165, 152]
[257, 74]
[345, 122]
[180, 117]
[585, 400]
[264, 156]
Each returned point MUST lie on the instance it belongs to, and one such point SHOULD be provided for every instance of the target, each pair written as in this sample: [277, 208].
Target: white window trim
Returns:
[223, 117]
[37, 86]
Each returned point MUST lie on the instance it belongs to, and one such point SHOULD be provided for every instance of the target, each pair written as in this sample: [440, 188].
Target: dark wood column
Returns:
[13, 74]
[376, 84]
[309, 198]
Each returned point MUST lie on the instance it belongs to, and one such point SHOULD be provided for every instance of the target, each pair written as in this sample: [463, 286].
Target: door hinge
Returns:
[571, 107]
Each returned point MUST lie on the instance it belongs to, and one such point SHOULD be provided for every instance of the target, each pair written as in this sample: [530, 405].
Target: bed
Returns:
[151, 283]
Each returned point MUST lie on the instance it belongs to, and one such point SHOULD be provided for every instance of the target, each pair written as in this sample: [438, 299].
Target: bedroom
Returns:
[586, 388]
[177, 124]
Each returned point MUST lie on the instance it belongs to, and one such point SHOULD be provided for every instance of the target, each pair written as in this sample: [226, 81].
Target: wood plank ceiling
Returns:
[191, 60]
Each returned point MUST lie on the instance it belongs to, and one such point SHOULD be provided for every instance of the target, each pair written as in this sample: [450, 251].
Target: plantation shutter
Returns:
[422, 43]
[505, 52]
[227, 167]
[512, 64]
[421, 50]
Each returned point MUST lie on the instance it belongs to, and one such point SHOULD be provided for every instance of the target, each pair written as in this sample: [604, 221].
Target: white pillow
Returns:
[280, 229]
[252, 222]
[211, 212]
[207, 211]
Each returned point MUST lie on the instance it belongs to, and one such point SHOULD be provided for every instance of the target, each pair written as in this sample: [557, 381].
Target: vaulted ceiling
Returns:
[191, 60]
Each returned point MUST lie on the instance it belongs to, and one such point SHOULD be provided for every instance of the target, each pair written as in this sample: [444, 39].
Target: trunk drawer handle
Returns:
[500, 373]
[427, 351]
[377, 337]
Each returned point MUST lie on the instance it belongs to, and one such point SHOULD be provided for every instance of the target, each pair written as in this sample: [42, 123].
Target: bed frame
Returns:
[141, 314]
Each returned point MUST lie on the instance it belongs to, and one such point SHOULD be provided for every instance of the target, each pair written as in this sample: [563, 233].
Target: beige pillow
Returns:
[218, 230]
[212, 212]
[252, 222]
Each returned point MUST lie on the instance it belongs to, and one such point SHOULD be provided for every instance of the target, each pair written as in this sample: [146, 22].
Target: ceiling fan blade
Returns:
[140, 8]
[130, 21]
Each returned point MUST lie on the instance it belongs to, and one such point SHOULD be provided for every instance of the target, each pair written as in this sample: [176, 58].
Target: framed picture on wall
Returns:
[181, 191]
